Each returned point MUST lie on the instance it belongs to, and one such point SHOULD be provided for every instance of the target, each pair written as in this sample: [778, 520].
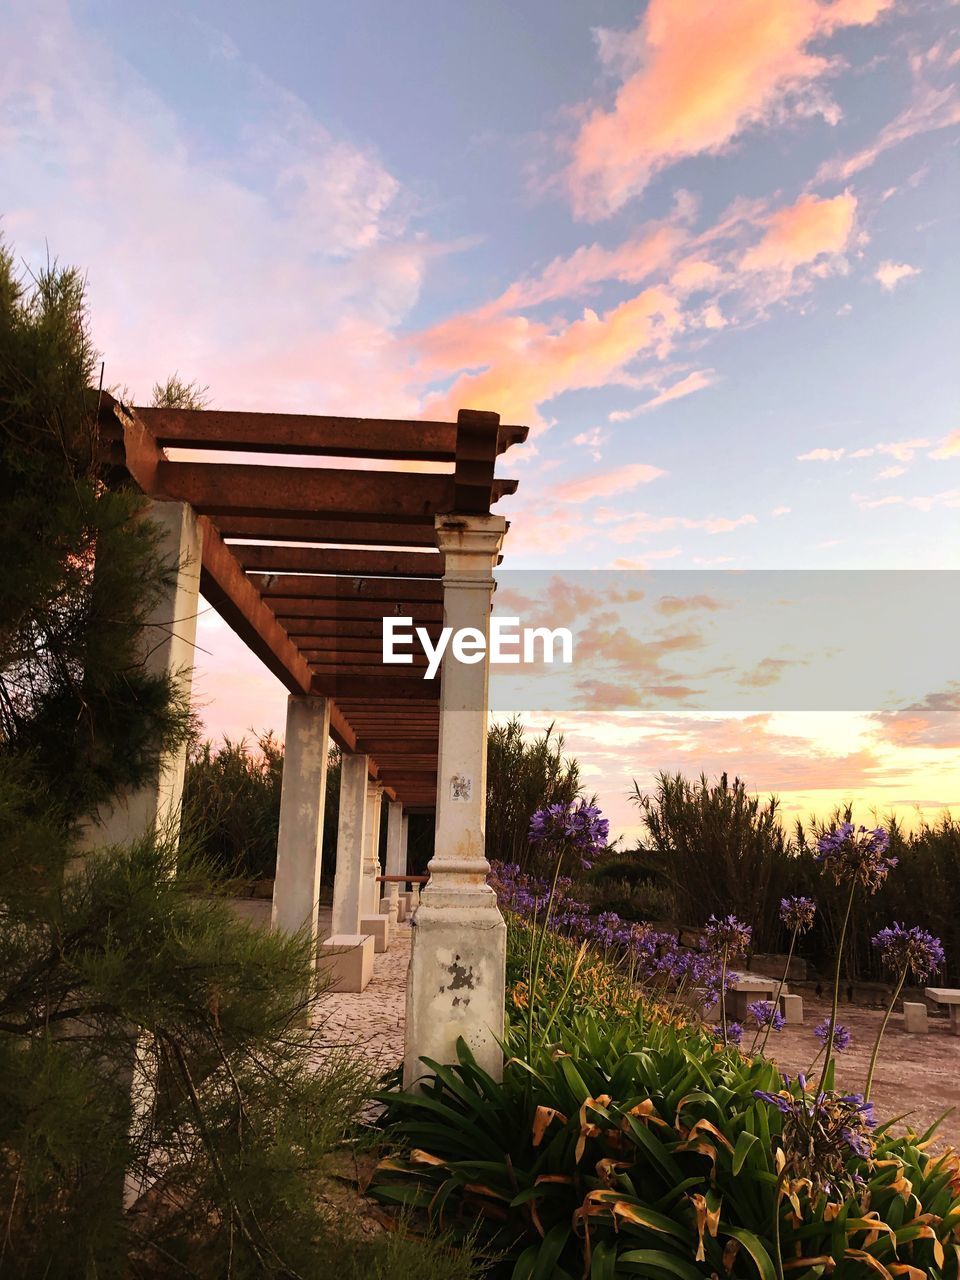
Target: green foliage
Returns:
[231, 804]
[75, 696]
[149, 1040]
[177, 394]
[625, 884]
[713, 849]
[523, 775]
[698, 831]
[629, 1146]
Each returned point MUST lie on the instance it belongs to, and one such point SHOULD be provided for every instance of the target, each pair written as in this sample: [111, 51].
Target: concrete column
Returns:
[169, 643]
[351, 844]
[370, 897]
[456, 981]
[296, 889]
[391, 899]
[372, 921]
[409, 894]
[347, 955]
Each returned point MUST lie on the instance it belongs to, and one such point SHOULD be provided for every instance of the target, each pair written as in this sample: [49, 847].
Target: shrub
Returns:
[632, 1147]
[523, 775]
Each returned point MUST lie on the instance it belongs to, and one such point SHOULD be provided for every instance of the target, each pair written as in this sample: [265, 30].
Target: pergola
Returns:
[349, 521]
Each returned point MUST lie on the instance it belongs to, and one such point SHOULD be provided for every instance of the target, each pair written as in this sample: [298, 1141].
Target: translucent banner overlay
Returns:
[732, 642]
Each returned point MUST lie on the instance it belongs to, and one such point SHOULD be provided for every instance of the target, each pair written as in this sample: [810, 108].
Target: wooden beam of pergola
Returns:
[338, 532]
[361, 545]
[354, 610]
[309, 586]
[310, 434]
[325, 685]
[375, 564]
[215, 488]
[300, 629]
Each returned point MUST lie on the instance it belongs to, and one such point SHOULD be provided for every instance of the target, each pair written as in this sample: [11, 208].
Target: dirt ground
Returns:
[918, 1074]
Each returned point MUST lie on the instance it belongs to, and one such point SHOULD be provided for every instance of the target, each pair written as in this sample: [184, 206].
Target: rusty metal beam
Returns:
[477, 445]
[352, 610]
[216, 488]
[301, 629]
[367, 686]
[313, 586]
[308, 434]
[376, 564]
[238, 602]
[344, 533]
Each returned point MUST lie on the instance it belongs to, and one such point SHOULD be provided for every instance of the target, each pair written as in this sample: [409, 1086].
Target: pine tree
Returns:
[148, 1038]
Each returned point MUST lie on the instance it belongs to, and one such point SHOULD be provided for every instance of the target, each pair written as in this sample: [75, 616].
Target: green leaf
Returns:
[755, 1248]
[549, 1251]
[652, 1261]
[604, 1264]
[740, 1152]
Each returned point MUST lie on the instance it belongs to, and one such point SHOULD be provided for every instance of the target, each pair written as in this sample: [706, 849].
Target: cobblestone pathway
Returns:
[373, 1020]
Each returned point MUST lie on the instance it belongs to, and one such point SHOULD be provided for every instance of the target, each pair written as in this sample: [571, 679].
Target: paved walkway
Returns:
[372, 1021]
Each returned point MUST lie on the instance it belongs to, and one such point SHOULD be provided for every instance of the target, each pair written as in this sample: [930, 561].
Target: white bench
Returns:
[948, 998]
[749, 989]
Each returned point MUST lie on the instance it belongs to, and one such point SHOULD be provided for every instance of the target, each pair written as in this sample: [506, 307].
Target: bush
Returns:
[628, 1146]
[523, 775]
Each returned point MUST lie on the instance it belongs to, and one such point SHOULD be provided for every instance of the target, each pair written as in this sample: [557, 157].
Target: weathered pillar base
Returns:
[395, 908]
[345, 962]
[915, 1018]
[378, 927]
[456, 985]
[792, 1007]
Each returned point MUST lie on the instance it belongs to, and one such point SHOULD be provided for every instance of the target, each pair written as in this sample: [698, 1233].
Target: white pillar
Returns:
[371, 865]
[296, 889]
[457, 976]
[393, 867]
[347, 955]
[351, 845]
[169, 645]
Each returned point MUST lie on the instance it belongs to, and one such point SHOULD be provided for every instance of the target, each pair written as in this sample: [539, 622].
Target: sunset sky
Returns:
[707, 250]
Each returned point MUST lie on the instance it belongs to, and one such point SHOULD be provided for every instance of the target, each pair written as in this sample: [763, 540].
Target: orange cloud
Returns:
[607, 483]
[527, 363]
[802, 232]
[695, 76]
[949, 447]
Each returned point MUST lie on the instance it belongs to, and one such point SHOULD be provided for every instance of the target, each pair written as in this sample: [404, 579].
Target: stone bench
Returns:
[747, 990]
[948, 998]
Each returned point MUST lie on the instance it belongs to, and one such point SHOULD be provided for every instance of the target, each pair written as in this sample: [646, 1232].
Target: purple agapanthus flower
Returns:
[914, 949]
[763, 1012]
[798, 913]
[856, 853]
[821, 1132]
[841, 1036]
[729, 936]
[577, 826]
[734, 1033]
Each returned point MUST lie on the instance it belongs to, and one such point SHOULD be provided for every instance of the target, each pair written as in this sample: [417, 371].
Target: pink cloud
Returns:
[931, 109]
[802, 232]
[527, 363]
[696, 381]
[821, 455]
[607, 483]
[891, 274]
[641, 523]
[694, 77]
